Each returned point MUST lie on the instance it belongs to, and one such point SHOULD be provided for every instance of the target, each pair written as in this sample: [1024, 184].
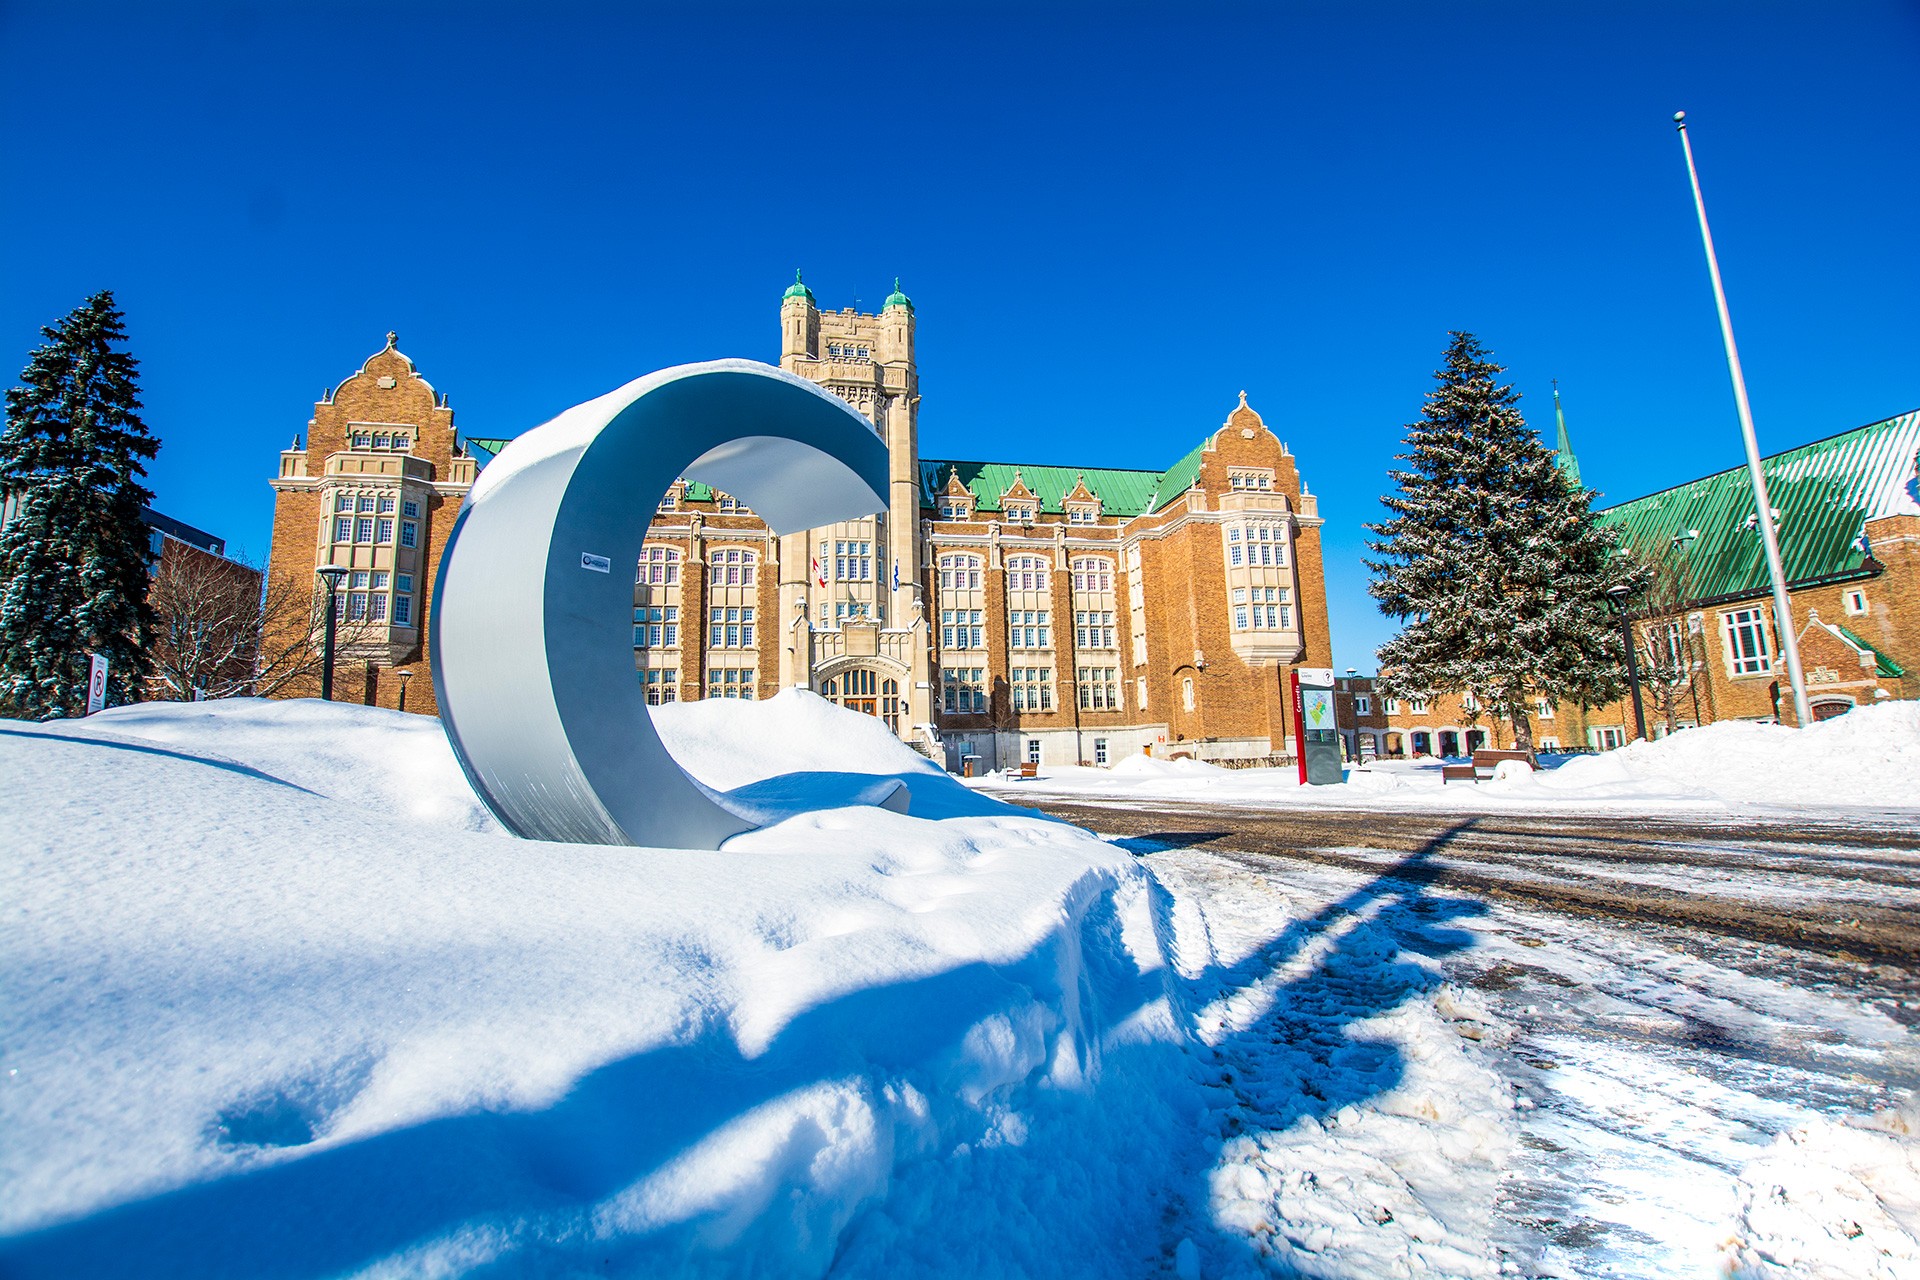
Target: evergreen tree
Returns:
[73, 553]
[1493, 559]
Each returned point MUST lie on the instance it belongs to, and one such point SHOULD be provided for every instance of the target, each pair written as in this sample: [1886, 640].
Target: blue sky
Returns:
[1111, 218]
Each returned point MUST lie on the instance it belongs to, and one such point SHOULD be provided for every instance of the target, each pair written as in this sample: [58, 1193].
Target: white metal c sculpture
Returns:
[531, 646]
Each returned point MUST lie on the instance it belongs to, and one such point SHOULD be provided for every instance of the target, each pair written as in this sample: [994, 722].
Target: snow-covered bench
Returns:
[1485, 761]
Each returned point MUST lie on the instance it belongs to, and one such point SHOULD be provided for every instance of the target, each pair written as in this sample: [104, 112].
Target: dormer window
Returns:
[727, 502]
[956, 511]
[1083, 515]
[1020, 511]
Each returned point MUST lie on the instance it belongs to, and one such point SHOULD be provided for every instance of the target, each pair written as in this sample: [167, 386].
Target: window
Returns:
[670, 499]
[1544, 708]
[1093, 629]
[409, 533]
[386, 504]
[727, 502]
[1083, 515]
[853, 562]
[366, 503]
[1416, 706]
[1033, 751]
[383, 530]
[1027, 573]
[1747, 643]
[962, 629]
[363, 529]
[1855, 602]
[963, 690]
[1027, 629]
[656, 626]
[403, 582]
[1666, 651]
[1099, 750]
[1609, 737]
[357, 607]
[730, 567]
[378, 605]
[731, 682]
[1186, 693]
[730, 628]
[1390, 706]
[1468, 702]
[856, 352]
[343, 528]
[1021, 512]
[403, 611]
[659, 566]
[1091, 573]
[1099, 688]
[1362, 705]
[379, 579]
[1251, 481]
[363, 440]
[1548, 744]
[383, 441]
[342, 502]
[662, 685]
[1032, 689]
[1140, 693]
[959, 573]
[411, 510]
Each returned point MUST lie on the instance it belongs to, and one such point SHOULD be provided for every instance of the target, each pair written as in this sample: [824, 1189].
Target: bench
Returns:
[1028, 769]
[1485, 761]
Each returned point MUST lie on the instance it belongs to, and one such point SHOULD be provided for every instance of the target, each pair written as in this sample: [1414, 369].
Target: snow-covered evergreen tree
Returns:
[73, 553]
[1493, 559]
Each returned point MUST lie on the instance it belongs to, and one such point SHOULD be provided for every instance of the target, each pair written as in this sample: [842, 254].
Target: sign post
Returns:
[1319, 735]
[97, 685]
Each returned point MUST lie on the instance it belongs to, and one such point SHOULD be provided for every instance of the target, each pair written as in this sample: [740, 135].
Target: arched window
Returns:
[659, 566]
[1186, 693]
[731, 567]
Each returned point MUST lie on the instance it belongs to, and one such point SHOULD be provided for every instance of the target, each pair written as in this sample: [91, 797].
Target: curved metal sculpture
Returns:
[531, 650]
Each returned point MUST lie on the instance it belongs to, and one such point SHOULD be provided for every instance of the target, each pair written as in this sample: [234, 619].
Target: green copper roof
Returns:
[1178, 478]
[897, 298]
[1563, 450]
[1121, 493]
[485, 450]
[1825, 493]
[798, 289]
[1882, 664]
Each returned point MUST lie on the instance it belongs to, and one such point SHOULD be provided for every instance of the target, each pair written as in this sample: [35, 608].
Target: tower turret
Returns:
[799, 323]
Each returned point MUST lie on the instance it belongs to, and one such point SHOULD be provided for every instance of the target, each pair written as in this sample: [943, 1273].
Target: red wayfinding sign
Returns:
[1299, 723]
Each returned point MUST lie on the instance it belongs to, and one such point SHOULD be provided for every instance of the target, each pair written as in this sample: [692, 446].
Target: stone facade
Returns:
[993, 613]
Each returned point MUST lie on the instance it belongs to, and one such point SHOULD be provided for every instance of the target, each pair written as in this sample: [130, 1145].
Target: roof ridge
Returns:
[1765, 458]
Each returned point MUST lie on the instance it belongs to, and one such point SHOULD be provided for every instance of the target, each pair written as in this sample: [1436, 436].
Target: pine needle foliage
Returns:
[1492, 558]
[73, 552]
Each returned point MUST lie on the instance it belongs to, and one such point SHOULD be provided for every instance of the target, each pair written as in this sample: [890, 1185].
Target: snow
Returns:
[283, 1000]
[1866, 759]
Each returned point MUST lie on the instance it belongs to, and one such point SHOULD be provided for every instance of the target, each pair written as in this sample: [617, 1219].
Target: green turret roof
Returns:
[1563, 447]
[798, 289]
[897, 298]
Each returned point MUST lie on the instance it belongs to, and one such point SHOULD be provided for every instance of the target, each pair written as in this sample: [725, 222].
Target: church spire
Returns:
[1563, 447]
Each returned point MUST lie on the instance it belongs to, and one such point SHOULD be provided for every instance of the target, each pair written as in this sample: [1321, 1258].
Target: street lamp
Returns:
[404, 677]
[331, 575]
[1617, 596]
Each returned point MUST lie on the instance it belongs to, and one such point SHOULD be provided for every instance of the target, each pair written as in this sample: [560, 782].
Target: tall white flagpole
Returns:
[1763, 507]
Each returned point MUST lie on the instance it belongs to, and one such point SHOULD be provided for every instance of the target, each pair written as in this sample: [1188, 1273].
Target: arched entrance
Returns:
[867, 691]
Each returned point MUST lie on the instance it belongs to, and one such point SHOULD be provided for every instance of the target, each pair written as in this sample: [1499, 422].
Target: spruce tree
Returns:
[73, 552]
[1492, 559]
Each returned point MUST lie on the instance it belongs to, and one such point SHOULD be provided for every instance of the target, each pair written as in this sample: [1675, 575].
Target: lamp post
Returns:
[1617, 596]
[331, 575]
[1763, 508]
[405, 675]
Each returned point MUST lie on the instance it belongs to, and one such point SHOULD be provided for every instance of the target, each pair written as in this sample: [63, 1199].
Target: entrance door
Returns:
[863, 691]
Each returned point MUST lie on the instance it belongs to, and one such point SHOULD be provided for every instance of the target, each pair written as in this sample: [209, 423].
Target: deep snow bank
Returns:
[1869, 758]
[272, 1011]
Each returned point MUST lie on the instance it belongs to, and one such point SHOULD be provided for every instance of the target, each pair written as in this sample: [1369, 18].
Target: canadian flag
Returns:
[816, 572]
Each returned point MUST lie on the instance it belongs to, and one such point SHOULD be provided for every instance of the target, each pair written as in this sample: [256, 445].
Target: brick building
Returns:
[1705, 638]
[995, 610]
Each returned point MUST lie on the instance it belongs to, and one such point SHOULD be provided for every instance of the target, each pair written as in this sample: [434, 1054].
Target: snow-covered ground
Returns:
[281, 1000]
[1869, 758]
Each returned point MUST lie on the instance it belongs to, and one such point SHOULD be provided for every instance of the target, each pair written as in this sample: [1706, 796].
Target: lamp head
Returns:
[332, 573]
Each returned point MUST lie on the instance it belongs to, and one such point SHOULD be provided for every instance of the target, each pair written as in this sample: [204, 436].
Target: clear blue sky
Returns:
[1111, 218]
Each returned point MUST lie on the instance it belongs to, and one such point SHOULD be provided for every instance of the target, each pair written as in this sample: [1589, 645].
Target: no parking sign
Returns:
[97, 685]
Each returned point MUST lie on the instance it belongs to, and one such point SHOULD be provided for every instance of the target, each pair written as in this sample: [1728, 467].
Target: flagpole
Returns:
[1763, 507]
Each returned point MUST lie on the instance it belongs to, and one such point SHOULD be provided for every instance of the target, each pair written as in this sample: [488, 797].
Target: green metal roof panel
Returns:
[1179, 477]
[485, 450]
[1882, 664]
[1121, 493]
[1825, 493]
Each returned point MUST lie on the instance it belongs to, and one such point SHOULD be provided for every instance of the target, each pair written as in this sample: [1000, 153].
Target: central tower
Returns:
[863, 576]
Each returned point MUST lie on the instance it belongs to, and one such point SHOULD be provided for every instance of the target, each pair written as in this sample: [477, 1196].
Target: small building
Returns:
[1848, 513]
